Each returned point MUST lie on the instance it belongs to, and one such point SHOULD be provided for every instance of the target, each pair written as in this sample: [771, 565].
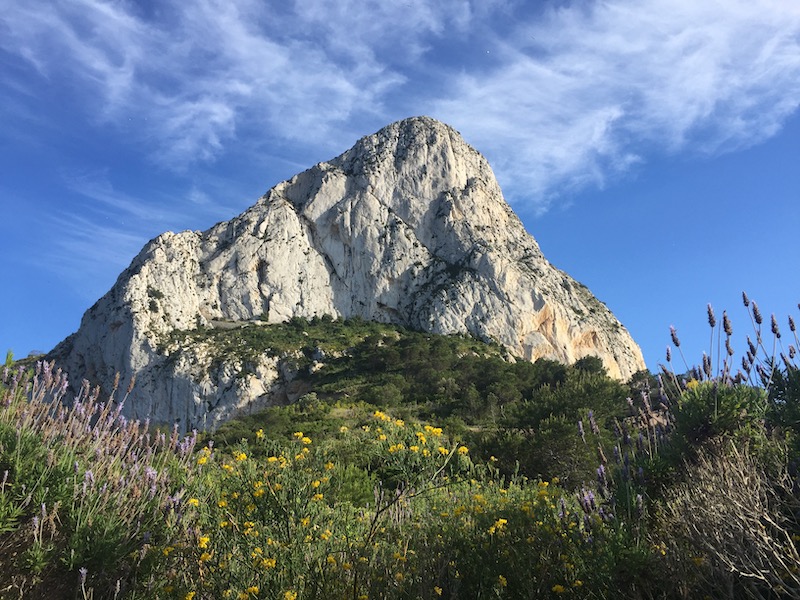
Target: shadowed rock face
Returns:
[409, 226]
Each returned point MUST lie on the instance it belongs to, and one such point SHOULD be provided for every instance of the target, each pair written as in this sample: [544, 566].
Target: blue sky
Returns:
[650, 146]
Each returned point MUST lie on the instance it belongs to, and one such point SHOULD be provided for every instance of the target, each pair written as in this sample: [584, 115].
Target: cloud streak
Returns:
[589, 90]
[568, 98]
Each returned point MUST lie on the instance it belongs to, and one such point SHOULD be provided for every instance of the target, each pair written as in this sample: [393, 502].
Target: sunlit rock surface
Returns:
[409, 226]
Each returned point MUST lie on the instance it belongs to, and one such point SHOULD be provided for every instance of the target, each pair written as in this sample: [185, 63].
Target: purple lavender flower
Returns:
[591, 500]
[757, 314]
[593, 424]
[601, 476]
[775, 331]
[674, 335]
[580, 430]
[83, 572]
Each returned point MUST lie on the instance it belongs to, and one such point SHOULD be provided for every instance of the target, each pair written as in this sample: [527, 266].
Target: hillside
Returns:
[408, 227]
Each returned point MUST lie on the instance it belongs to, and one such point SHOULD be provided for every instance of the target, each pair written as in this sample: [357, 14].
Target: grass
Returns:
[549, 481]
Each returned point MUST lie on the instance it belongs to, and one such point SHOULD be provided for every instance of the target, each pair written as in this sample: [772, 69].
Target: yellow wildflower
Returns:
[253, 589]
[502, 581]
[202, 460]
[205, 556]
[329, 466]
[203, 541]
[331, 560]
[189, 596]
[437, 590]
[260, 434]
[298, 434]
[306, 440]
[434, 431]
[272, 459]
[290, 595]
[462, 450]
[498, 526]
[240, 456]
[443, 451]
[559, 589]
[194, 502]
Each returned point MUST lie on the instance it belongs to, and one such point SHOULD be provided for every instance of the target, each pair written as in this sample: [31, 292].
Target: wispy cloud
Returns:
[99, 228]
[590, 89]
[203, 71]
[571, 95]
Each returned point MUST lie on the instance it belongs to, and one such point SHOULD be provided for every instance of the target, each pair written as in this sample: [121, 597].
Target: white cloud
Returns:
[585, 92]
[201, 72]
[571, 94]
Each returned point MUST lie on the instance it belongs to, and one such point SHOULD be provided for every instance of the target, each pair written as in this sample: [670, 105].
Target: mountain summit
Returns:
[409, 227]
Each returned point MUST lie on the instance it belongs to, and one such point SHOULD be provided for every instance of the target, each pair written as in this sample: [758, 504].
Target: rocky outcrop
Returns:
[409, 226]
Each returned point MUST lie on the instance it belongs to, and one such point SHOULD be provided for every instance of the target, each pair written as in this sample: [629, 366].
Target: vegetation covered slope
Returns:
[416, 466]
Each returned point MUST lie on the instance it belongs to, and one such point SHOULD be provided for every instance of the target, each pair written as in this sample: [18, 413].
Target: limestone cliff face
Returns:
[409, 226]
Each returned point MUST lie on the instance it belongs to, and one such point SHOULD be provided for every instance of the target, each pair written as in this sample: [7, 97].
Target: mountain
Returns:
[407, 227]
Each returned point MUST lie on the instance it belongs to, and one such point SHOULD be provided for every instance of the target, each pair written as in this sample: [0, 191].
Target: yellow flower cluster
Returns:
[498, 526]
[434, 431]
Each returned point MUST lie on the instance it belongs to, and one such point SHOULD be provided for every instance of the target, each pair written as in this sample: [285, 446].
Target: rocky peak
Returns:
[409, 227]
